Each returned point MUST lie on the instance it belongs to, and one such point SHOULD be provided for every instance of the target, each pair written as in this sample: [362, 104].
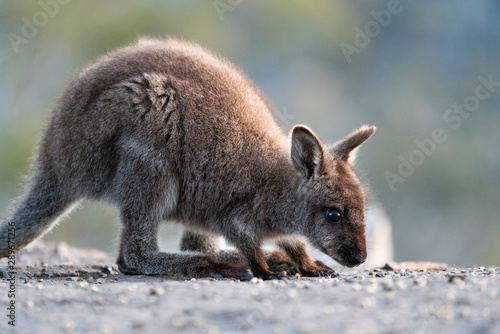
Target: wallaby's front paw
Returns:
[318, 269]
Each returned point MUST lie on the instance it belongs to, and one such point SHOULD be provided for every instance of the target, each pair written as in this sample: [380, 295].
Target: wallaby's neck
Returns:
[283, 199]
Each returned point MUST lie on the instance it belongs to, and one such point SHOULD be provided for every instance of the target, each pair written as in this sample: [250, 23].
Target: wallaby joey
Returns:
[166, 131]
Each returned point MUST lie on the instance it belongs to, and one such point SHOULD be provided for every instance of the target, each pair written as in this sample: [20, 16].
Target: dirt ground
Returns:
[59, 289]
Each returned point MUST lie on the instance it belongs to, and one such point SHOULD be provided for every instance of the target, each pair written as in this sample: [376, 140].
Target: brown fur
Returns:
[164, 130]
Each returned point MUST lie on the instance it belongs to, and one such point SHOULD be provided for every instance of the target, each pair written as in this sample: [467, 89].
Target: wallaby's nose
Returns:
[357, 257]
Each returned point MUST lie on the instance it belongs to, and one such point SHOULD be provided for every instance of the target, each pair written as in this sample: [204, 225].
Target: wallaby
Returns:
[165, 130]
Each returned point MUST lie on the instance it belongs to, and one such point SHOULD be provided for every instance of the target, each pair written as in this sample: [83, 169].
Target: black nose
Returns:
[358, 258]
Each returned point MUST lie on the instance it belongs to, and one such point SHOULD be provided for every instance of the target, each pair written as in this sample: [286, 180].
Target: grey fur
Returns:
[164, 130]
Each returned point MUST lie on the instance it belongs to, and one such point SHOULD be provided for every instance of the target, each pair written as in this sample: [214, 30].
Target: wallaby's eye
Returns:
[333, 215]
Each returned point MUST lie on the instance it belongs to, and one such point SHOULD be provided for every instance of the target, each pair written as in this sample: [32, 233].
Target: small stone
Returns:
[275, 282]
[292, 293]
[465, 312]
[123, 300]
[297, 276]
[400, 285]
[335, 281]
[299, 285]
[69, 326]
[193, 279]
[367, 302]
[396, 276]
[445, 312]
[361, 277]
[256, 280]
[284, 273]
[94, 288]
[157, 291]
[371, 289]
[105, 329]
[491, 270]
[421, 281]
[412, 275]
[178, 322]
[30, 305]
[450, 296]
[38, 274]
[83, 284]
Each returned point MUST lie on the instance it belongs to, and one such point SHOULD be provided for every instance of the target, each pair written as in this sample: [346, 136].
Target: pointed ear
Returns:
[307, 152]
[346, 148]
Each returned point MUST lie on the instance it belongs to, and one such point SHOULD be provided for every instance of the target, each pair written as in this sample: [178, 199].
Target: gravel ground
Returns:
[57, 291]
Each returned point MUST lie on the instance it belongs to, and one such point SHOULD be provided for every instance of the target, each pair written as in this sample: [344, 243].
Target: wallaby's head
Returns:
[332, 209]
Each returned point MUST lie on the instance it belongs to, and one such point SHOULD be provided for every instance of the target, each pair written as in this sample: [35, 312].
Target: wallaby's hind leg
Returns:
[199, 241]
[298, 252]
[139, 253]
[36, 211]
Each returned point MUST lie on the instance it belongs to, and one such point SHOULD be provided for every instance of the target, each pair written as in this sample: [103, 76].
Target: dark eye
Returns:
[333, 215]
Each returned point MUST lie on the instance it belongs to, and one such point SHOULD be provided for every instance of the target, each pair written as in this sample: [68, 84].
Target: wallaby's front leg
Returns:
[298, 252]
[208, 243]
[139, 254]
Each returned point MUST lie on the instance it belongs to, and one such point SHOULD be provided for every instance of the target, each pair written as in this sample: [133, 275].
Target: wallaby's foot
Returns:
[197, 266]
[318, 269]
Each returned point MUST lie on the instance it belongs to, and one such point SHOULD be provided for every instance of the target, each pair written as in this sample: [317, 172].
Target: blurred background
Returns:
[425, 73]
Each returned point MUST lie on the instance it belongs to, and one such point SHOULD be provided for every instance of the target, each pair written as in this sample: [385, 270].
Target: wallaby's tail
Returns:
[44, 200]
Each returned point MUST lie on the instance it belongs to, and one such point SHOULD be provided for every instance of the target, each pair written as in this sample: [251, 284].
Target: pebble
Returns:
[400, 285]
[465, 312]
[157, 291]
[292, 293]
[105, 329]
[83, 284]
[445, 312]
[30, 305]
[367, 302]
[94, 288]
[371, 289]
[123, 300]
[69, 326]
[300, 286]
[256, 280]
[297, 276]
[178, 322]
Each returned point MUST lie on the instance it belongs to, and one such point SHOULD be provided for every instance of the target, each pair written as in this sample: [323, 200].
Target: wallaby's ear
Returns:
[346, 148]
[307, 152]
